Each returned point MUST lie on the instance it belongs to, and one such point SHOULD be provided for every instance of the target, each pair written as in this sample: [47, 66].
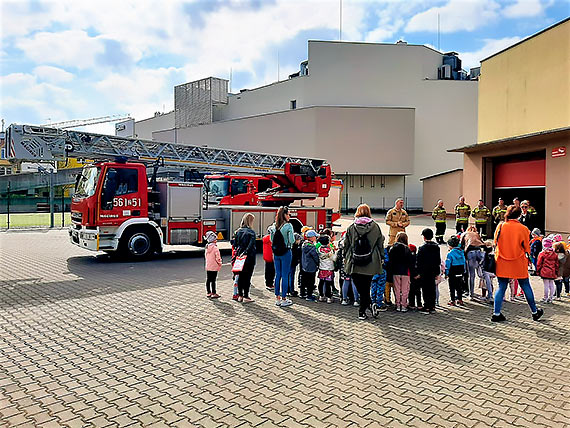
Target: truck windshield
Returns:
[219, 187]
[87, 182]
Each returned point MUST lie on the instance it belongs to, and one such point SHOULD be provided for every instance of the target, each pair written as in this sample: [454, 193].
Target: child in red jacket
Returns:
[269, 266]
[547, 267]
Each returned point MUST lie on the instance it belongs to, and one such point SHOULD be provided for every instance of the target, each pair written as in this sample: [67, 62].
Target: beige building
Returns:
[524, 128]
[383, 115]
[446, 186]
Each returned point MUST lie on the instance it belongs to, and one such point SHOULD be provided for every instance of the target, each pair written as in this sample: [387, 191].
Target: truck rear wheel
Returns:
[137, 243]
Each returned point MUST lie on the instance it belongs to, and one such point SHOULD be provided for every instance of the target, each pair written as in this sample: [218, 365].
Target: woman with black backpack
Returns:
[282, 239]
[364, 250]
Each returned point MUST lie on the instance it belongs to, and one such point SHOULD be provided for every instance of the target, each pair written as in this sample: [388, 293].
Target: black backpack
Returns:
[489, 264]
[278, 245]
[362, 254]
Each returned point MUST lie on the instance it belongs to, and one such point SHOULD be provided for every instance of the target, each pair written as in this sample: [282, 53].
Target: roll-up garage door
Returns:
[517, 174]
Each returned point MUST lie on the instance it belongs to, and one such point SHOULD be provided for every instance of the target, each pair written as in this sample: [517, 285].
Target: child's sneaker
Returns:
[235, 297]
[356, 303]
[329, 300]
[460, 303]
[278, 303]
[209, 295]
[404, 309]
[215, 296]
[399, 309]
[311, 299]
[294, 293]
[322, 298]
[362, 316]
[545, 300]
[374, 310]
[344, 302]
[285, 303]
[382, 308]
[302, 296]
[451, 303]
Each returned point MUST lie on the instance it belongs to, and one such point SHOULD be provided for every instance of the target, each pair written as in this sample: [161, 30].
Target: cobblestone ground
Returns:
[89, 342]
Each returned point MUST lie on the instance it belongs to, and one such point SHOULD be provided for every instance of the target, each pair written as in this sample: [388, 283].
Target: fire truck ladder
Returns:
[44, 144]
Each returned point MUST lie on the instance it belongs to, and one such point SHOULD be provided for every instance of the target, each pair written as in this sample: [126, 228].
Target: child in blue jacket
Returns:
[454, 271]
[378, 287]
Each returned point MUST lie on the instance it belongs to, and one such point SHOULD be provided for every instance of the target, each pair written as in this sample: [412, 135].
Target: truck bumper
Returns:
[91, 239]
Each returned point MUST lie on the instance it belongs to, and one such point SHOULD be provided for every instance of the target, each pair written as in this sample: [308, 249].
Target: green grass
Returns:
[33, 220]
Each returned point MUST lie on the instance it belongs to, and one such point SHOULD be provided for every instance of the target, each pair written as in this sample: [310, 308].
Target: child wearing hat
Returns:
[310, 262]
[535, 247]
[213, 264]
[547, 267]
[455, 270]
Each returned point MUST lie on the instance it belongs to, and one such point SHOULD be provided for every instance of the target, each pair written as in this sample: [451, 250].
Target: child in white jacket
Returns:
[327, 257]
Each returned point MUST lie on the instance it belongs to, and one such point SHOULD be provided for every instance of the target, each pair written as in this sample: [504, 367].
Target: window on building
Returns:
[362, 180]
[382, 181]
[351, 180]
[293, 104]
[372, 181]
[3, 153]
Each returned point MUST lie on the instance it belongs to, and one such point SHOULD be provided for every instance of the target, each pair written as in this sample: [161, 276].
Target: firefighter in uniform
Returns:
[481, 214]
[397, 218]
[462, 213]
[439, 215]
[499, 213]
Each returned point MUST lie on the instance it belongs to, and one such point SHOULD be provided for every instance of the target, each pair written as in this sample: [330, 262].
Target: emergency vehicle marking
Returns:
[124, 202]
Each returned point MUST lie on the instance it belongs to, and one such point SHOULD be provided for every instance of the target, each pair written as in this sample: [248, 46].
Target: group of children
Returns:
[318, 257]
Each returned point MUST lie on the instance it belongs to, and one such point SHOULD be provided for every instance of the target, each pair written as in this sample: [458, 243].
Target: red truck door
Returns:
[123, 193]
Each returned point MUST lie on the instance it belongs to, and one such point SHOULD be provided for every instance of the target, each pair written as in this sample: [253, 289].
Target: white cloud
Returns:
[53, 74]
[490, 47]
[524, 9]
[72, 48]
[456, 15]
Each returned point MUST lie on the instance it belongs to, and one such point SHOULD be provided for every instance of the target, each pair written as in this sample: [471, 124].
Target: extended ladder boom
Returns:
[39, 143]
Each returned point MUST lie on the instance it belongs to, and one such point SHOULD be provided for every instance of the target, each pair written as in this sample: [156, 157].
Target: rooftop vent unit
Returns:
[401, 42]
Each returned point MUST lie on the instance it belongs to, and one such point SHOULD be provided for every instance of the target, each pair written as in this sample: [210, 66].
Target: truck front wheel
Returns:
[137, 244]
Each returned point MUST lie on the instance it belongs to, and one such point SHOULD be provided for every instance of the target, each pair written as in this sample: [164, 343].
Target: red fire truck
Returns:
[117, 209]
[250, 189]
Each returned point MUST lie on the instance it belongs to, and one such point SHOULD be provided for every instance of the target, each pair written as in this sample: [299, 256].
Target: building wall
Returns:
[266, 99]
[353, 139]
[145, 128]
[447, 187]
[526, 89]
[379, 192]
[395, 75]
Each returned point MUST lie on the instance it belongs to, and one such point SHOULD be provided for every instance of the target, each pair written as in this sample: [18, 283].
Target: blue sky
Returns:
[63, 60]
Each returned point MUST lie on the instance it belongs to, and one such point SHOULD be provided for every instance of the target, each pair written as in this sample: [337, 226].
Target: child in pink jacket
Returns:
[213, 264]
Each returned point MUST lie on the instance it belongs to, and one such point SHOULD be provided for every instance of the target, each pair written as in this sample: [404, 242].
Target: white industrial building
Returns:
[383, 115]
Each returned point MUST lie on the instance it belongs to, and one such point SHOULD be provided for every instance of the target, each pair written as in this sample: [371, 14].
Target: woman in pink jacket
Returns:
[213, 264]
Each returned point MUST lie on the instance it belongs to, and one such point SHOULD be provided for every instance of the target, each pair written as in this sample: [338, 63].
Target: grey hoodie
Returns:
[364, 225]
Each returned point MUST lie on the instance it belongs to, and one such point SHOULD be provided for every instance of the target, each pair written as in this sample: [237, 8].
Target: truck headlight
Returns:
[209, 222]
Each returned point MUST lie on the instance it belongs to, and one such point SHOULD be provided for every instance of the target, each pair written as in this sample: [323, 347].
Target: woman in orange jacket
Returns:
[511, 255]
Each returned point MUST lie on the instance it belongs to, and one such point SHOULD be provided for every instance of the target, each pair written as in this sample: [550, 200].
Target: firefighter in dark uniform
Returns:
[439, 215]
[499, 213]
[462, 213]
[481, 214]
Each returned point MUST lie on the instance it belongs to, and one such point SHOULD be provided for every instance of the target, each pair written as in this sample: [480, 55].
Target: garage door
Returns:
[524, 173]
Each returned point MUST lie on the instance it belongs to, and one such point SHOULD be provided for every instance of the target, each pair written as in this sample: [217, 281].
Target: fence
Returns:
[19, 211]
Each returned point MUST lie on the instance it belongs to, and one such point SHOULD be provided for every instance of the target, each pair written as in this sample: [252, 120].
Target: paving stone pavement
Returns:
[86, 342]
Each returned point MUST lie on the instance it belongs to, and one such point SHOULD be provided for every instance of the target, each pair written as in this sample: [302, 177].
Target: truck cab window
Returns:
[118, 182]
[239, 186]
